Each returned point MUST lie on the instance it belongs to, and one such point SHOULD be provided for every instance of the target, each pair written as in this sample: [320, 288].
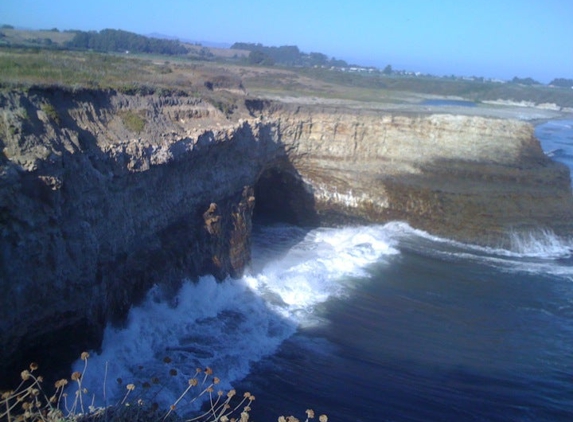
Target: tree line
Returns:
[119, 40]
[286, 55]
[562, 82]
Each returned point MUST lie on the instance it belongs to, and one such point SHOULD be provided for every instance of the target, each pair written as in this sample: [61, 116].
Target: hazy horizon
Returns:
[527, 38]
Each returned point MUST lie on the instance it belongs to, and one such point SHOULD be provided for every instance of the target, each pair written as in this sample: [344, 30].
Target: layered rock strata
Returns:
[474, 179]
[103, 195]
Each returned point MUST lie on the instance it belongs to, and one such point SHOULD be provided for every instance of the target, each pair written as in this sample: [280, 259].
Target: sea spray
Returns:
[228, 326]
[543, 243]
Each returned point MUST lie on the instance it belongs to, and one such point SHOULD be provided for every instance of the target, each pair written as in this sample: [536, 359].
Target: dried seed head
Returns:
[7, 394]
[40, 379]
[216, 380]
[244, 417]
[247, 409]
[282, 419]
[208, 371]
[220, 393]
[193, 382]
[224, 418]
[25, 374]
[33, 366]
[323, 418]
[131, 387]
[251, 398]
[76, 376]
[209, 389]
[310, 413]
[85, 356]
[231, 393]
[247, 395]
[26, 405]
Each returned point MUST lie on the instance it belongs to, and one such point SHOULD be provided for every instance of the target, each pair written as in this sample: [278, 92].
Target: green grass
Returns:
[27, 67]
[471, 90]
[51, 112]
[148, 74]
[133, 121]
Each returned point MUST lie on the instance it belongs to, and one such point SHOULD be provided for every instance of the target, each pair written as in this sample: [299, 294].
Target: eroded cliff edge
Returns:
[103, 195]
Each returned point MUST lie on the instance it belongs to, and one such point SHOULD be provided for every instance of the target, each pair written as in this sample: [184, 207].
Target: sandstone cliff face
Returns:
[474, 179]
[103, 195]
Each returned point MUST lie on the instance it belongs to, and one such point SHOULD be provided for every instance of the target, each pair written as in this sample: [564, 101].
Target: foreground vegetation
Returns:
[70, 401]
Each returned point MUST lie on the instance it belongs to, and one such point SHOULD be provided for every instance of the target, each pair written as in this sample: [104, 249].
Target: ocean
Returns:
[374, 323]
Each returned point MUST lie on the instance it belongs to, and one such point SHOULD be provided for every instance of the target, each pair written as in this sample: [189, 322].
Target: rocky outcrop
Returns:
[470, 178]
[103, 195]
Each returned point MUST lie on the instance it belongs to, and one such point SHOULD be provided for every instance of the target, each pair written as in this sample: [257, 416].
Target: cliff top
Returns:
[225, 85]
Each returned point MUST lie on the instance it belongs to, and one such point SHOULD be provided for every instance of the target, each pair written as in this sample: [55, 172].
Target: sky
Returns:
[490, 38]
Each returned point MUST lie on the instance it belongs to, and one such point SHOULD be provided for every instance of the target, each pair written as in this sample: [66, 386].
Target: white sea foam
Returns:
[540, 243]
[229, 325]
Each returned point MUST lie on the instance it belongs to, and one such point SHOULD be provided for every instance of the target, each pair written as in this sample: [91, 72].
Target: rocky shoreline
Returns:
[103, 195]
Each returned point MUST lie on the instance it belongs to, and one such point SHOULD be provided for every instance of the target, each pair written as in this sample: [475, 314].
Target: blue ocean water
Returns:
[369, 324]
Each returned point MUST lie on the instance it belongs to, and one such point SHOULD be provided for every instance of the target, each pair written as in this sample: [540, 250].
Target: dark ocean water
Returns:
[372, 324]
[433, 334]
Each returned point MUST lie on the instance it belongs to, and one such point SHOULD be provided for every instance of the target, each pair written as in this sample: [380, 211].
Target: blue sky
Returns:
[492, 38]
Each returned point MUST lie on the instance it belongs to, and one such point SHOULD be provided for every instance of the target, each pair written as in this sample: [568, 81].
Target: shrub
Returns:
[133, 121]
[51, 112]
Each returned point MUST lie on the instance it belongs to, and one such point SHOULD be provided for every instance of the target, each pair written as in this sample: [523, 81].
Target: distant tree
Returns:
[525, 81]
[118, 40]
[562, 82]
[318, 59]
[387, 70]
[260, 58]
[337, 62]
[5, 26]
[286, 55]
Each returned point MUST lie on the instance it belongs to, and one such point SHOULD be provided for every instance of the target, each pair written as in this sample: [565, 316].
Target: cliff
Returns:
[471, 178]
[103, 195]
